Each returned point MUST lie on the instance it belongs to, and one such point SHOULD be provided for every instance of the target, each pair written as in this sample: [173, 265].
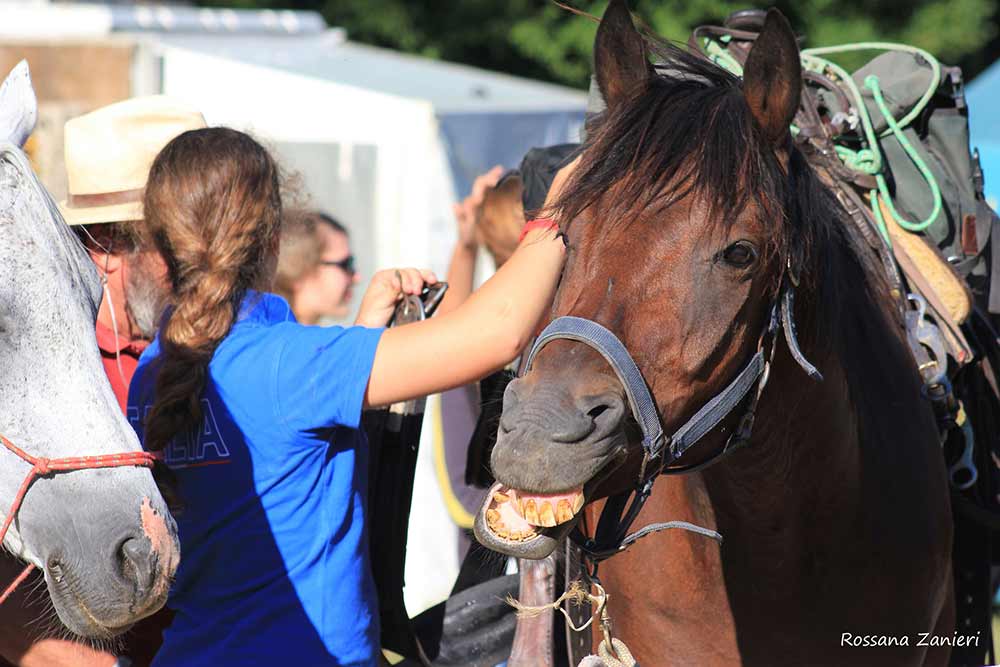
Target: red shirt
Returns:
[127, 352]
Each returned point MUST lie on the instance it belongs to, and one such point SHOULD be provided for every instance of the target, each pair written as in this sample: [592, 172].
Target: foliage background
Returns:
[536, 38]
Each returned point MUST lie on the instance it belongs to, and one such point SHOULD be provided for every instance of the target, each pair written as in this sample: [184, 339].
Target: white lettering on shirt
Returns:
[205, 446]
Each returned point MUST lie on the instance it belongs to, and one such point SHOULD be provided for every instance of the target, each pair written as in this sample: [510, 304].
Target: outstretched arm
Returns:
[483, 334]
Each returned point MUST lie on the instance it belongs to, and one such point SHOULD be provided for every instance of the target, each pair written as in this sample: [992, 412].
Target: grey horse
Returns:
[104, 539]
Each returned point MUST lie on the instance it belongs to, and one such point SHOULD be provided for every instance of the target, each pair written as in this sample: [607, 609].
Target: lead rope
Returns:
[611, 652]
[42, 466]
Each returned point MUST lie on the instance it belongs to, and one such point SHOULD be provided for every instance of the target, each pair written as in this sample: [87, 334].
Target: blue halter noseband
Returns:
[659, 451]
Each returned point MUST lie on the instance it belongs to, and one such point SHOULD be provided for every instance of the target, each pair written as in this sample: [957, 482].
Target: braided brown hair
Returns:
[212, 210]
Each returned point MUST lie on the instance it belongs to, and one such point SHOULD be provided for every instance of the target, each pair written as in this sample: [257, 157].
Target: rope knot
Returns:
[42, 466]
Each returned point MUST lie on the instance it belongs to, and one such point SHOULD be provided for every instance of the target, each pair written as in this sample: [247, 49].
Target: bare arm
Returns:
[461, 273]
[482, 335]
[462, 269]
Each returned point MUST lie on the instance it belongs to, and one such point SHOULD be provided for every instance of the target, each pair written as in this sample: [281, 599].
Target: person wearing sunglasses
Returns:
[316, 272]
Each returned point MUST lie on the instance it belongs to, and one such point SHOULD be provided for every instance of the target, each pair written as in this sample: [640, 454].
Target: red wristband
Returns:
[537, 223]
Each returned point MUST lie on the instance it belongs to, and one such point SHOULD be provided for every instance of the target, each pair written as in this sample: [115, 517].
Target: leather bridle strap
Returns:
[41, 466]
[612, 534]
[641, 401]
[607, 344]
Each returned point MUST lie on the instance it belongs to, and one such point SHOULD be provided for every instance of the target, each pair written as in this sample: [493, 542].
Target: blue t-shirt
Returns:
[274, 551]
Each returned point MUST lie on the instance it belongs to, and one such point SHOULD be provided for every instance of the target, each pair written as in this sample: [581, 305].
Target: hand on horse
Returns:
[468, 211]
[386, 290]
[559, 183]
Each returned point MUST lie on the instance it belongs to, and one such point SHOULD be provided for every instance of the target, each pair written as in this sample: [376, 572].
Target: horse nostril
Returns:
[605, 413]
[597, 411]
[134, 561]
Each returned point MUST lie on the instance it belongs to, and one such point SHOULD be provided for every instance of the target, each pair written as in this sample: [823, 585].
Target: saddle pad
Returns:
[949, 290]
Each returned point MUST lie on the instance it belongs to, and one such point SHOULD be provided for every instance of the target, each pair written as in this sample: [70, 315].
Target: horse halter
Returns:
[660, 451]
[42, 467]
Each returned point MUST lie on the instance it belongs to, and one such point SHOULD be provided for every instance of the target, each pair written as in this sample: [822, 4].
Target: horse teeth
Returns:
[500, 498]
[563, 511]
[578, 503]
[530, 512]
[515, 535]
[501, 531]
[492, 517]
[546, 517]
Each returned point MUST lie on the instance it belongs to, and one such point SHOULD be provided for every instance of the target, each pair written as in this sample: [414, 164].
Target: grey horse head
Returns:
[104, 538]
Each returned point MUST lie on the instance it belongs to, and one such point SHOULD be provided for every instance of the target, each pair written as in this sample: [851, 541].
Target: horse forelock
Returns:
[685, 133]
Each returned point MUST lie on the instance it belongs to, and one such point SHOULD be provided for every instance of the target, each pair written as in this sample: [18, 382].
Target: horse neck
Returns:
[805, 442]
[821, 449]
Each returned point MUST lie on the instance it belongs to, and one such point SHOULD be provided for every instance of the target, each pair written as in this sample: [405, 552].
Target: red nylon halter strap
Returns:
[42, 466]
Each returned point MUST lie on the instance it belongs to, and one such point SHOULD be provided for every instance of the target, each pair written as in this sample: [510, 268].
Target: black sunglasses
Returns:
[347, 264]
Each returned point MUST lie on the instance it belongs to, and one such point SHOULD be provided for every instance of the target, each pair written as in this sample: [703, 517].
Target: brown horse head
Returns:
[683, 218]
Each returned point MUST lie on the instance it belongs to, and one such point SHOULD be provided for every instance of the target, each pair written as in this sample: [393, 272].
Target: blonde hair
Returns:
[501, 218]
[301, 251]
[213, 207]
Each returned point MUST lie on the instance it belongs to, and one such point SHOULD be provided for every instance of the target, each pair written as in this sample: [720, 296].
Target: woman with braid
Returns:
[257, 416]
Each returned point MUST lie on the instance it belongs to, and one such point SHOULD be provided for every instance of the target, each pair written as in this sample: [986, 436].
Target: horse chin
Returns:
[74, 612]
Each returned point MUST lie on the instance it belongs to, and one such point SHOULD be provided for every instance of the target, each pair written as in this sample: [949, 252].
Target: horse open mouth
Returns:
[527, 525]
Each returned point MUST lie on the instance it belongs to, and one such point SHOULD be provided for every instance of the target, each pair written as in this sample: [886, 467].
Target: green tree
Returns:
[539, 39]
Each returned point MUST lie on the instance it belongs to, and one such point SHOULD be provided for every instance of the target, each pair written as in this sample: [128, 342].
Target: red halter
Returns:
[42, 466]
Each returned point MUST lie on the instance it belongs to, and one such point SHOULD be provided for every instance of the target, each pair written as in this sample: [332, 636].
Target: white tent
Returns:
[411, 131]
[383, 141]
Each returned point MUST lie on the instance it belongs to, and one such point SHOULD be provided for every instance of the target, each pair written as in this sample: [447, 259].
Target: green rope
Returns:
[871, 81]
[722, 57]
[867, 160]
[892, 46]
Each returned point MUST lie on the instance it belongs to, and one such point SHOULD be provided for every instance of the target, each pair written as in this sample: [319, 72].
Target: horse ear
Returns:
[620, 61]
[18, 106]
[772, 77]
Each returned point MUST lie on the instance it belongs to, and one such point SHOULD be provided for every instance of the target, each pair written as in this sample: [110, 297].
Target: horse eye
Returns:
[739, 255]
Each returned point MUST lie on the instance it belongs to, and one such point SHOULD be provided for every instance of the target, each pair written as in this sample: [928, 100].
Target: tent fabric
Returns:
[477, 142]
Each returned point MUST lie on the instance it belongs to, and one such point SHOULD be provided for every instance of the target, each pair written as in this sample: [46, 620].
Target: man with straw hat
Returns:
[108, 156]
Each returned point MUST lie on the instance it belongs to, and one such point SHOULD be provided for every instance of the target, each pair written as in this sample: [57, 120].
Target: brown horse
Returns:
[689, 213]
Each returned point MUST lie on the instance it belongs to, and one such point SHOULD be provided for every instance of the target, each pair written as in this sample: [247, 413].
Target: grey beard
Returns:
[144, 300]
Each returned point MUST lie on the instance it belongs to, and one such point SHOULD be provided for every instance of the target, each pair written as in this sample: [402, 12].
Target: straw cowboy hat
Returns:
[109, 153]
